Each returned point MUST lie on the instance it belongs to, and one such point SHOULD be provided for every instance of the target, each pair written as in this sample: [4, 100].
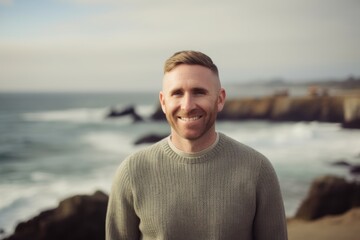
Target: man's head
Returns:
[191, 96]
[190, 58]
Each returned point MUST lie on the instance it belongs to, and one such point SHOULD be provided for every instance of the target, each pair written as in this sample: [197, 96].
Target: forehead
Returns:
[190, 76]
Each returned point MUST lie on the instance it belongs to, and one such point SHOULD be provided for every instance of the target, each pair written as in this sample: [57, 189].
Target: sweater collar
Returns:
[196, 154]
[199, 157]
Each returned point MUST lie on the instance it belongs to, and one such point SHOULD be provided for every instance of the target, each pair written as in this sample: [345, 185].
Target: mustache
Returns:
[191, 113]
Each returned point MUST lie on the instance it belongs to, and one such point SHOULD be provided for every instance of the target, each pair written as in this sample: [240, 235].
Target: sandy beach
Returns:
[342, 227]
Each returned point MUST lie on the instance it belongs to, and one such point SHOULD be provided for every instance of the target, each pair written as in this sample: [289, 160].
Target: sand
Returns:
[343, 227]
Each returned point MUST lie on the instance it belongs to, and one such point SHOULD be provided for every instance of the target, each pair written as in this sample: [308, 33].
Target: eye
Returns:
[177, 93]
[199, 91]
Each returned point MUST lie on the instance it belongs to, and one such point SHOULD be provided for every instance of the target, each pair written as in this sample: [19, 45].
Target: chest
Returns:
[204, 201]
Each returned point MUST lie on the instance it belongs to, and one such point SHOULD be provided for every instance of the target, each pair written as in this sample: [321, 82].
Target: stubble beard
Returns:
[210, 118]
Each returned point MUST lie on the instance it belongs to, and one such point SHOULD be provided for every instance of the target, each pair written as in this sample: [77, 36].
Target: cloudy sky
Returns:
[114, 45]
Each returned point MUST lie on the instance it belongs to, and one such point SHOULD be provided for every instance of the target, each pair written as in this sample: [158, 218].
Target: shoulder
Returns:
[143, 157]
[244, 155]
[149, 152]
[249, 158]
[240, 149]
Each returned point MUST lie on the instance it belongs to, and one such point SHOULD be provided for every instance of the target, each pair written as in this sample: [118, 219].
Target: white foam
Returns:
[79, 115]
[23, 202]
[87, 115]
[41, 176]
[146, 110]
[109, 142]
[298, 142]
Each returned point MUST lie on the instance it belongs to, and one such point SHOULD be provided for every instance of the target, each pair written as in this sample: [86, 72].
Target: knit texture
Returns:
[230, 192]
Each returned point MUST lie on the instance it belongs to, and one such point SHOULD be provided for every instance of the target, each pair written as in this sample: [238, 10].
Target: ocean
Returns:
[56, 145]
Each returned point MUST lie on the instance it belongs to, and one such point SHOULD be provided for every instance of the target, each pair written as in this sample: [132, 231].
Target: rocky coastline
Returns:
[332, 202]
[344, 109]
[341, 108]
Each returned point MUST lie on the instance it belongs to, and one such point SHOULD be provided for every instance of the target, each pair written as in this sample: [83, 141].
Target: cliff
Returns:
[329, 195]
[338, 109]
[325, 109]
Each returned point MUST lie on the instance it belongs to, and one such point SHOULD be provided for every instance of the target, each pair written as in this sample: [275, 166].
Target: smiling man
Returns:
[191, 98]
[196, 183]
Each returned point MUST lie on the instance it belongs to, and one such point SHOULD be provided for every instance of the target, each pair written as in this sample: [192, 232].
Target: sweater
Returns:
[229, 192]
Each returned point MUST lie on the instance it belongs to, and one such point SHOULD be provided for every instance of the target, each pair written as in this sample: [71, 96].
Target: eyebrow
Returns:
[193, 90]
[203, 90]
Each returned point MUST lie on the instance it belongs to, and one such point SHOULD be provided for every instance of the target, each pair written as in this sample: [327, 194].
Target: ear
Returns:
[162, 101]
[221, 99]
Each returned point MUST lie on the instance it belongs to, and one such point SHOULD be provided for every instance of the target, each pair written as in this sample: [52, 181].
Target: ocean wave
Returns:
[22, 202]
[86, 115]
[146, 110]
[8, 156]
[109, 142]
[80, 115]
[297, 142]
[41, 176]
[260, 133]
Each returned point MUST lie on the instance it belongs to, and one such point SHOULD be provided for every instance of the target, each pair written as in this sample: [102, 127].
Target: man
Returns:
[197, 183]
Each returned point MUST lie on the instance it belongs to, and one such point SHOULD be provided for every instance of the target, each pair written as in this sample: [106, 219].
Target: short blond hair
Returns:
[190, 58]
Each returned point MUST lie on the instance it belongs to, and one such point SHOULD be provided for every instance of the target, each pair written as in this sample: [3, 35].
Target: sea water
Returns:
[56, 145]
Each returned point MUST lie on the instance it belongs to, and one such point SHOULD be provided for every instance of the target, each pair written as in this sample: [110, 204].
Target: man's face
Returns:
[191, 98]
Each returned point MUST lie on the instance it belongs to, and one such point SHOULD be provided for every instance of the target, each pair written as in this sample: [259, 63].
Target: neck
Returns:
[196, 145]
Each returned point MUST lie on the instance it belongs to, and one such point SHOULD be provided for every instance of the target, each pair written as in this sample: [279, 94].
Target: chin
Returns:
[192, 136]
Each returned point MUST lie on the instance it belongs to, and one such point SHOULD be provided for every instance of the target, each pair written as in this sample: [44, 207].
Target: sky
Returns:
[115, 45]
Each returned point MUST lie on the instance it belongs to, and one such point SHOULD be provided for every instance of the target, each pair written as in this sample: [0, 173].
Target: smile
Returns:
[189, 119]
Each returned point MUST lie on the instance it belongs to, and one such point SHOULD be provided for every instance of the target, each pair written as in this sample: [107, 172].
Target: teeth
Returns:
[189, 119]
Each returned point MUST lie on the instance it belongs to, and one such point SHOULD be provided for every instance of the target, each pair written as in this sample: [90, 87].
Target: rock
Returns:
[249, 108]
[324, 109]
[158, 115]
[151, 138]
[329, 195]
[355, 169]
[341, 163]
[283, 108]
[113, 113]
[78, 217]
[352, 112]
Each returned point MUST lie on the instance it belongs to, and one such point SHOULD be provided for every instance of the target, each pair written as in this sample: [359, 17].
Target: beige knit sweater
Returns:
[229, 192]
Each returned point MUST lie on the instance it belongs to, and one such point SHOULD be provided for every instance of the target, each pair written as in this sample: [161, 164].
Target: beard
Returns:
[191, 129]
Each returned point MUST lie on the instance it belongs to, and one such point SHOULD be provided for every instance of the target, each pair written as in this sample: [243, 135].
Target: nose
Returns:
[187, 103]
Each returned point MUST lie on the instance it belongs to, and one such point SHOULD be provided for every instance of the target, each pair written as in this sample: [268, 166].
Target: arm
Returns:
[121, 220]
[270, 220]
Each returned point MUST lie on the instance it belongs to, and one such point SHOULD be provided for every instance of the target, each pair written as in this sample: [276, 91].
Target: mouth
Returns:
[189, 119]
